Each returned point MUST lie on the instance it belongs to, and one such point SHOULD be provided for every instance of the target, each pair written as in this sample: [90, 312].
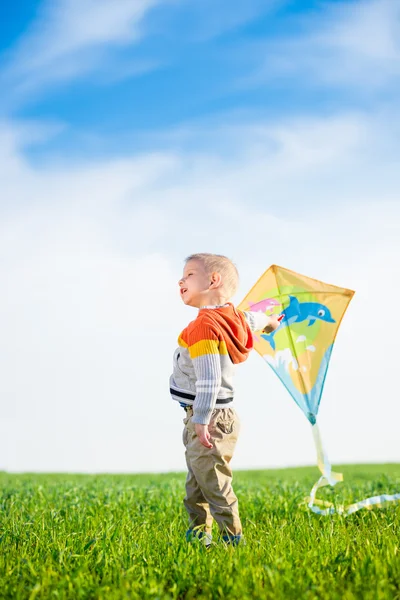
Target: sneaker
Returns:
[196, 534]
[234, 540]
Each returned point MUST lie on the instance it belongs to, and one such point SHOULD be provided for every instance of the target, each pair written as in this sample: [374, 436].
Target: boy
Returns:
[209, 347]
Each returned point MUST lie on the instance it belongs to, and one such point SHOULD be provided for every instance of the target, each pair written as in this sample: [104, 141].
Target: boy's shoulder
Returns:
[203, 319]
[200, 325]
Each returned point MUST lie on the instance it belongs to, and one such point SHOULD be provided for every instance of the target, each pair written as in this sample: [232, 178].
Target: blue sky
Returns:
[176, 63]
[136, 132]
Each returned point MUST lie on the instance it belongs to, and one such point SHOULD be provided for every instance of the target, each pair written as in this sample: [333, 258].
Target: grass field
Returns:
[123, 536]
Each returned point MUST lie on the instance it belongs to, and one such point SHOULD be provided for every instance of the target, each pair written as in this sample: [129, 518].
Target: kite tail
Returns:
[328, 477]
[331, 478]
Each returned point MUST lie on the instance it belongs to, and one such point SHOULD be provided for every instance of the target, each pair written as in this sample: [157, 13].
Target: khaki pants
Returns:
[209, 490]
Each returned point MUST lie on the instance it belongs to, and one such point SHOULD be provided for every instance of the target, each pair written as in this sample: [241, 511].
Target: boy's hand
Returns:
[272, 325]
[203, 434]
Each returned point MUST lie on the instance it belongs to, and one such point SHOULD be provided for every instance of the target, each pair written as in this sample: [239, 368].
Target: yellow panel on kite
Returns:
[300, 349]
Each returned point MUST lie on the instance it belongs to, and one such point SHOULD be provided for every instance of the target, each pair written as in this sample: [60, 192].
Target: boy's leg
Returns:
[196, 505]
[212, 472]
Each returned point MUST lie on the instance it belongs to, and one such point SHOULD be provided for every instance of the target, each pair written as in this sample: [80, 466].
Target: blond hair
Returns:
[220, 264]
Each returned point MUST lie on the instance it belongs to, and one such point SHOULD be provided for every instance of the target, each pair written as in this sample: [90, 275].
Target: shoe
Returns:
[234, 540]
[196, 534]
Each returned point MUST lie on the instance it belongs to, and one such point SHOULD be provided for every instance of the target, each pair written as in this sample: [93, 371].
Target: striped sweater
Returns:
[204, 362]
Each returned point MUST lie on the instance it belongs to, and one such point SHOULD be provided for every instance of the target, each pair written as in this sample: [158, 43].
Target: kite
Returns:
[299, 352]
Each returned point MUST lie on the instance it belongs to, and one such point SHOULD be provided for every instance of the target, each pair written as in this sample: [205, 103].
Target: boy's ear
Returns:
[216, 279]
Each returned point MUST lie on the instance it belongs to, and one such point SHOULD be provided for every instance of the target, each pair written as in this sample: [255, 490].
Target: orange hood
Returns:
[234, 330]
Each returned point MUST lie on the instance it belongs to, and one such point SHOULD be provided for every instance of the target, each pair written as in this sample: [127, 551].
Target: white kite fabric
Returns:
[299, 352]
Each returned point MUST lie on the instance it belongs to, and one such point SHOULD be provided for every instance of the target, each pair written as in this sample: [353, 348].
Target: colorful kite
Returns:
[299, 352]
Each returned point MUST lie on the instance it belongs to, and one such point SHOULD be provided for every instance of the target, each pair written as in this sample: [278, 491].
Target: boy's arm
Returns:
[257, 320]
[203, 349]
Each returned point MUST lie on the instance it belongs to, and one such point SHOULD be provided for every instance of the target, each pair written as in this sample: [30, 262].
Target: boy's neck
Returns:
[214, 305]
[212, 300]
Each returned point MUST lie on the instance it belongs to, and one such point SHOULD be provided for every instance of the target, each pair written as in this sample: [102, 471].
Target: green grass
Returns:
[123, 536]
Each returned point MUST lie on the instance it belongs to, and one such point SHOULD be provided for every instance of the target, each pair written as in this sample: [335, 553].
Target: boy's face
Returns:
[194, 285]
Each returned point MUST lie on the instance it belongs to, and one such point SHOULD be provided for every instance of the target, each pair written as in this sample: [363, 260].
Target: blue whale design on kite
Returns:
[297, 312]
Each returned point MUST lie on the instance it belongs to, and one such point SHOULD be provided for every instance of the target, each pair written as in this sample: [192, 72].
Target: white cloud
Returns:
[362, 22]
[347, 43]
[73, 37]
[89, 259]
